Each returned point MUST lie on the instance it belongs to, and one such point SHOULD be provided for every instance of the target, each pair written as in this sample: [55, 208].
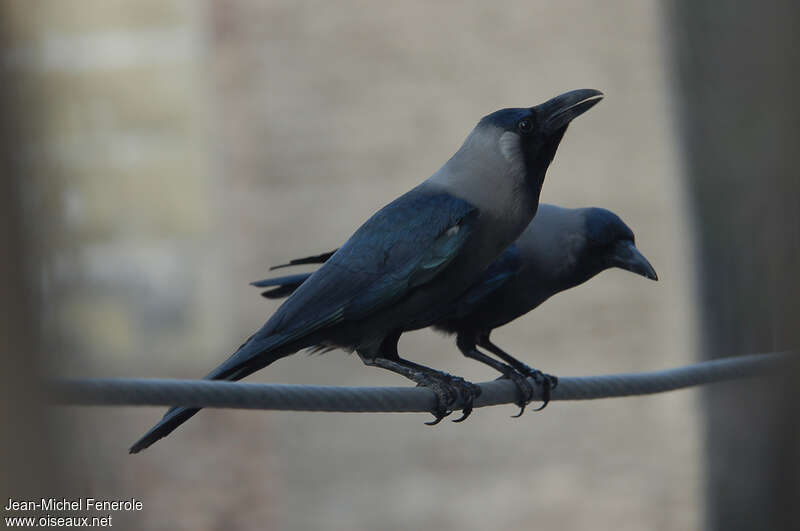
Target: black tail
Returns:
[285, 286]
[172, 419]
[316, 259]
[254, 354]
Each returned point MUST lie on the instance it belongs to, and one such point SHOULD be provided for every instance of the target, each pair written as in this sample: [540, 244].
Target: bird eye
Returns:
[525, 126]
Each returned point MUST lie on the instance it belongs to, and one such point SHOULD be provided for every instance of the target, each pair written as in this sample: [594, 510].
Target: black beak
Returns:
[561, 110]
[626, 256]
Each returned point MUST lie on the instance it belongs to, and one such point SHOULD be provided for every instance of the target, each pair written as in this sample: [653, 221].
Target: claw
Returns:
[547, 381]
[471, 391]
[547, 386]
[524, 388]
[465, 413]
[443, 399]
[447, 389]
[438, 419]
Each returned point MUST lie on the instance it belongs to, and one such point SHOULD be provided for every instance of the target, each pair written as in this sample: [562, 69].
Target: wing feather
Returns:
[402, 246]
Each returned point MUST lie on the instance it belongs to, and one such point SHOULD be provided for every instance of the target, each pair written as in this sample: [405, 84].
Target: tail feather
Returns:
[253, 355]
[285, 285]
[281, 292]
[172, 419]
[316, 259]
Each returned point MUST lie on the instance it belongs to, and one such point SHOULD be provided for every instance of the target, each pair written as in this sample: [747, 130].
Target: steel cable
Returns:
[240, 395]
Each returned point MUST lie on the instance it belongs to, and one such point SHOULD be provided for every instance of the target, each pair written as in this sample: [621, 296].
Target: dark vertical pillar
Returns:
[738, 74]
[28, 464]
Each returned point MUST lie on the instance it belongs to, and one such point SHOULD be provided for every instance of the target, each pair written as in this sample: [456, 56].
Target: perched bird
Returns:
[417, 253]
[560, 249]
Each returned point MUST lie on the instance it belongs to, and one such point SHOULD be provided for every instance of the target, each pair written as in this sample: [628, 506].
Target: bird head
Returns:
[528, 137]
[609, 242]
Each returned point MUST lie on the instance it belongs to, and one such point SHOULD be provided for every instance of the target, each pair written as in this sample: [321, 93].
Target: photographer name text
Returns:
[76, 504]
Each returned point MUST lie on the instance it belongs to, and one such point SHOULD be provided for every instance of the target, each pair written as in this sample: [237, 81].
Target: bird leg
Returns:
[547, 381]
[448, 388]
[467, 347]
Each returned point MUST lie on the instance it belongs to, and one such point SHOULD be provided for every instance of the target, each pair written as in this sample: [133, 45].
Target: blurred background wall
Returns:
[174, 150]
[119, 175]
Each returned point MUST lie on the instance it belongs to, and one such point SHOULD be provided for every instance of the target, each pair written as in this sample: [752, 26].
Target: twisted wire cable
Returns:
[240, 395]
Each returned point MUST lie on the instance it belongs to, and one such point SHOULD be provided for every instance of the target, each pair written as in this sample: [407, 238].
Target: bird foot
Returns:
[519, 375]
[449, 389]
[547, 381]
[524, 389]
[469, 392]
